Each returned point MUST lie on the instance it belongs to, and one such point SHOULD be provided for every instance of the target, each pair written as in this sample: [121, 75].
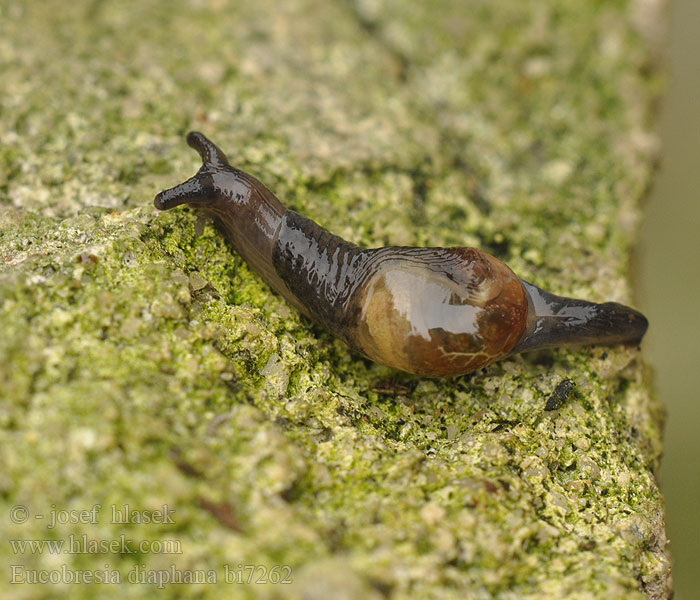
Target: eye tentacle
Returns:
[189, 192]
[212, 156]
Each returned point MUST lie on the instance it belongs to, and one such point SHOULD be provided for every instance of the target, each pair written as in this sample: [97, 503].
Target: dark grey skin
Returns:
[559, 321]
[428, 311]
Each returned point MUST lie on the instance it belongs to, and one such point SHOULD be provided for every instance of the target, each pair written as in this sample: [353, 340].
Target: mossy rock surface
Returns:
[142, 363]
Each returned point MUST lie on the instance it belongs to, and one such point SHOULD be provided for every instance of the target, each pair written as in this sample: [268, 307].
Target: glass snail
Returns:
[428, 311]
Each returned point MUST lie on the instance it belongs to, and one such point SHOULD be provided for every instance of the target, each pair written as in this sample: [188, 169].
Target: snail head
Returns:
[215, 182]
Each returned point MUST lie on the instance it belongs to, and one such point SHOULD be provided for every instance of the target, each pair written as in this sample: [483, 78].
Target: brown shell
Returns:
[440, 311]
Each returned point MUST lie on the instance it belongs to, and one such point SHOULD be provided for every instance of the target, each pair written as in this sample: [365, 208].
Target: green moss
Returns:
[143, 363]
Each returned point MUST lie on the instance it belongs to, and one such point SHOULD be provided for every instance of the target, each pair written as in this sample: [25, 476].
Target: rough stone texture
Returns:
[142, 363]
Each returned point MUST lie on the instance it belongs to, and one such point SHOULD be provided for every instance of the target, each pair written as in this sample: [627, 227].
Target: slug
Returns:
[428, 311]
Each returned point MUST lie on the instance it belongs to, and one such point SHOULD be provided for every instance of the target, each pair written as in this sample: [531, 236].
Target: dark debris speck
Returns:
[560, 394]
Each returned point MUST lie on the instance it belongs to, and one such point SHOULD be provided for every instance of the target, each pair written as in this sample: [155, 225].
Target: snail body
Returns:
[428, 311]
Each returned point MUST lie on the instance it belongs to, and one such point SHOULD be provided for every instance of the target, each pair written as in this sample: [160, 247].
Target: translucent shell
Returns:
[440, 311]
